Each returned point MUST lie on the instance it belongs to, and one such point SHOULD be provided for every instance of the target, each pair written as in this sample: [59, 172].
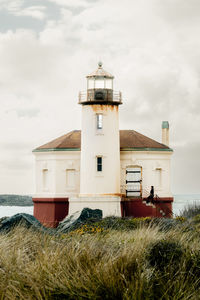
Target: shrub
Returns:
[87, 229]
[164, 253]
[117, 223]
[181, 219]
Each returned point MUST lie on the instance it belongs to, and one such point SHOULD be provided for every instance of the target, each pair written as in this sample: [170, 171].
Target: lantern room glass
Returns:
[99, 83]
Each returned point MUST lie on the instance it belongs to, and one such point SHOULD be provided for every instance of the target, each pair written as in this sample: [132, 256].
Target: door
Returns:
[133, 181]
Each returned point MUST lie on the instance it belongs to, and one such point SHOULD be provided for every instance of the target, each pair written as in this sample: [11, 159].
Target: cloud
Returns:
[152, 48]
[37, 12]
[18, 8]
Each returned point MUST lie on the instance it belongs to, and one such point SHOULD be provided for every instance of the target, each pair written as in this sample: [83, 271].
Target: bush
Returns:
[116, 223]
[164, 254]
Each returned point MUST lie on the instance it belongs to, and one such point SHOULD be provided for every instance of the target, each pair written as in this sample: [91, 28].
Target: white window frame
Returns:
[99, 121]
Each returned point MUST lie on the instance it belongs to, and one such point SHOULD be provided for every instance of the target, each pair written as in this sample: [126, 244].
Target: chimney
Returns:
[165, 133]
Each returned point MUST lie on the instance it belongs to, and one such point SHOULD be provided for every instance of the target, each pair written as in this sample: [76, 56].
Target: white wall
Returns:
[103, 143]
[110, 205]
[56, 165]
[152, 162]
[58, 162]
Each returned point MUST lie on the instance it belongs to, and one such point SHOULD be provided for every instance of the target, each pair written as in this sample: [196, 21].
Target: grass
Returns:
[112, 259]
[191, 210]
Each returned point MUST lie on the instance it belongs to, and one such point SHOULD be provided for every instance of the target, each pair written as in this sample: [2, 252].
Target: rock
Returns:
[68, 224]
[79, 218]
[3, 219]
[25, 219]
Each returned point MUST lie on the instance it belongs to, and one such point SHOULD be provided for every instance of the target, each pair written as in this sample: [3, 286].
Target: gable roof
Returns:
[129, 140]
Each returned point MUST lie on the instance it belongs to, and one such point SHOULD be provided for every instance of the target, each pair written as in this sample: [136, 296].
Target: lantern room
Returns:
[100, 89]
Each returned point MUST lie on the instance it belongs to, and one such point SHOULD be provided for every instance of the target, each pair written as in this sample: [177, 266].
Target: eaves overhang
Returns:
[55, 149]
[147, 149]
[121, 149]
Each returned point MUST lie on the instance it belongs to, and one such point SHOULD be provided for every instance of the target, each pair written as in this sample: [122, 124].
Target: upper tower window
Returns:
[99, 164]
[99, 121]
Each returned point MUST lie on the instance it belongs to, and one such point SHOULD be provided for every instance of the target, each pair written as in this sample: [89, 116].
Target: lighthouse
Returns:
[100, 166]
[100, 149]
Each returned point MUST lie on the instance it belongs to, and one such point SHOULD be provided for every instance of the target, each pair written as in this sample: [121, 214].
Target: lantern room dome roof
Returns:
[100, 73]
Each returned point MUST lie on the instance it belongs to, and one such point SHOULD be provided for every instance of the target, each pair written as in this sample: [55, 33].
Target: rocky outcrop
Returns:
[24, 219]
[68, 224]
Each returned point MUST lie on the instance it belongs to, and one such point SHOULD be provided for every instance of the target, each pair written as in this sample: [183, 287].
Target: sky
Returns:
[47, 47]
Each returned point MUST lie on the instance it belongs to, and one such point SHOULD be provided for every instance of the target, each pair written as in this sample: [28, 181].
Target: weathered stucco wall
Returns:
[155, 170]
[104, 143]
[58, 163]
[57, 174]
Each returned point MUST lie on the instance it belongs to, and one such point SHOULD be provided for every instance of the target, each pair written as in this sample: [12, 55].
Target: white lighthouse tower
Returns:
[100, 149]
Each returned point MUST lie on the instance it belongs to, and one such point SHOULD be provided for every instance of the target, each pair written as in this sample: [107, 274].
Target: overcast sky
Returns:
[152, 47]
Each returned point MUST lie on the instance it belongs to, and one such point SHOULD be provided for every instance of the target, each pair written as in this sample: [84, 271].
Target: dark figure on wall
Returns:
[151, 196]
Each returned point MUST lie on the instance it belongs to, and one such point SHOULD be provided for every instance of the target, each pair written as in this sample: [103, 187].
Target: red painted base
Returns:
[135, 207]
[50, 211]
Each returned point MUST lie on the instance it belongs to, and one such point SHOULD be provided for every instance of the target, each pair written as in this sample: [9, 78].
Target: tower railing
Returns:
[110, 95]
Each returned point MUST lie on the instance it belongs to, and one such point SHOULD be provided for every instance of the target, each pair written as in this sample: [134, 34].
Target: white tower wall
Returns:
[100, 142]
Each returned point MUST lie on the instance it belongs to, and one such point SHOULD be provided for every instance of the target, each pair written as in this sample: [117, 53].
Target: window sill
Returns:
[69, 189]
[100, 174]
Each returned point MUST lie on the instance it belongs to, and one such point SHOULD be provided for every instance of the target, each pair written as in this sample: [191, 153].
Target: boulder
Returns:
[79, 218]
[25, 219]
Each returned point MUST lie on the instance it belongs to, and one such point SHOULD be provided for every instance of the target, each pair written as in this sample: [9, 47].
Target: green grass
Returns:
[112, 259]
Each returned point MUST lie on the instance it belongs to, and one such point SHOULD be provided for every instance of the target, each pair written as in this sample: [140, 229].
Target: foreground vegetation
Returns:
[112, 259]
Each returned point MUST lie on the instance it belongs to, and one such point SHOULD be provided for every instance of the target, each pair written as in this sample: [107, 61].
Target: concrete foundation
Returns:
[110, 205]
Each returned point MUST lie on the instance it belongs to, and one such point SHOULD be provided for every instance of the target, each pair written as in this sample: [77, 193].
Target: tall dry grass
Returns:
[103, 265]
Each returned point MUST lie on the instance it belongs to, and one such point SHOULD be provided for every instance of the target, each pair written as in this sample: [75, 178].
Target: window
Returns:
[99, 83]
[99, 121]
[70, 178]
[99, 164]
[133, 181]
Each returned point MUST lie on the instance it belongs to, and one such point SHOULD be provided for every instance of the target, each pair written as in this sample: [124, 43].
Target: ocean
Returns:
[8, 211]
[180, 201]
